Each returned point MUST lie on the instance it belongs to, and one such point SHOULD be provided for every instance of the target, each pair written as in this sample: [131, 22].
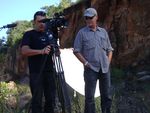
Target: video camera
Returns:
[52, 25]
[57, 21]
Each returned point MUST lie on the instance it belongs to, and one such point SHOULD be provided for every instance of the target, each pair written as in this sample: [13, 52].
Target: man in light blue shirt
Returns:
[92, 47]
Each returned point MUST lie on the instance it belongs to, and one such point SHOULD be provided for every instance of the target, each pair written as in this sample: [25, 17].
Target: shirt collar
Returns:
[97, 28]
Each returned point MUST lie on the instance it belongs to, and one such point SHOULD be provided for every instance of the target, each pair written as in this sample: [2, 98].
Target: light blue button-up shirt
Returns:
[94, 46]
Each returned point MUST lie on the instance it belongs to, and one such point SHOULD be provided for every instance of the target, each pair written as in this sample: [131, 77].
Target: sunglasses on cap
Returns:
[89, 18]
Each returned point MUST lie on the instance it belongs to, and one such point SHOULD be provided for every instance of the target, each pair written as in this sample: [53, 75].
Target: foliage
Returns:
[9, 97]
[77, 103]
[50, 10]
[15, 34]
[117, 75]
[98, 104]
[2, 57]
[65, 3]
[5, 94]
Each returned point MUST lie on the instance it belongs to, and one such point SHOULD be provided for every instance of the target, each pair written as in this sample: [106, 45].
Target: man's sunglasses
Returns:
[89, 18]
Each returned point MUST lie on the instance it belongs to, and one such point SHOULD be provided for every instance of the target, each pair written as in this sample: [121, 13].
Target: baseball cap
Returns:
[90, 12]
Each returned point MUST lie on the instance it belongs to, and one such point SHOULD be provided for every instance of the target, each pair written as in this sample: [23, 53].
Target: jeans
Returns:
[90, 78]
[42, 84]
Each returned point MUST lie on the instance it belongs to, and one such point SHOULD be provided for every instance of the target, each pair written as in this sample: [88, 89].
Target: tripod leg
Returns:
[61, 85]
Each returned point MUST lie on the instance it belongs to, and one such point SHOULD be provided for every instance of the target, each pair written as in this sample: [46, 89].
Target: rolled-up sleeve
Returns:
[78, 43]
[109, 47]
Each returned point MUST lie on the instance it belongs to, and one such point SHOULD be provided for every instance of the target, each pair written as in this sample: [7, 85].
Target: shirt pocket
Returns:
[89, 49]
[103, 43]
[88, 44]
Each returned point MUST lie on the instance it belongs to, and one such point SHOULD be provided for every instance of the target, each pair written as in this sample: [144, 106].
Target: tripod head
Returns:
[55, 49]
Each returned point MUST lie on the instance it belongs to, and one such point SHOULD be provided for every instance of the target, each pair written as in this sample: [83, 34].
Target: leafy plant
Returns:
[6, 94]
[9, 97]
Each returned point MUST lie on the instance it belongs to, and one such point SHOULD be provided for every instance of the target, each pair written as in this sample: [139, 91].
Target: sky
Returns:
[14, 10]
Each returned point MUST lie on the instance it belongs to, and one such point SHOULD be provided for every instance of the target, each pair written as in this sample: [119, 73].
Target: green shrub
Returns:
[117, 75]
[9, 97]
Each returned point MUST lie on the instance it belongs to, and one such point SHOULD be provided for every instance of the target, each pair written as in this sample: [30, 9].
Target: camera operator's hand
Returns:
[46, 50]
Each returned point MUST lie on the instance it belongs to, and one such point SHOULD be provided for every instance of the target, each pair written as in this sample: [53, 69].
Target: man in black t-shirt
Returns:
[35, 45]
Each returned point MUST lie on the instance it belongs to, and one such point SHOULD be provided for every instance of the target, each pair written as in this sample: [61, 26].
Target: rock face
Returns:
[131, 97]
[127, 22]
[128, 25]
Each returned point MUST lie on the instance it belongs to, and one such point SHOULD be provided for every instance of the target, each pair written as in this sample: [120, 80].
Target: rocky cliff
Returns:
[127, 22]
[128, 25]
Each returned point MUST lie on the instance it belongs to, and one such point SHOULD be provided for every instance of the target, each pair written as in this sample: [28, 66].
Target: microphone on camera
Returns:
[10, 25]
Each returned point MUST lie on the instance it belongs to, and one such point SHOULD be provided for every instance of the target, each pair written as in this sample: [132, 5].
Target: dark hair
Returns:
[39, 13]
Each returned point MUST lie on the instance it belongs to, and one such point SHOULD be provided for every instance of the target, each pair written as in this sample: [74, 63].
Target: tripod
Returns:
[60, 82]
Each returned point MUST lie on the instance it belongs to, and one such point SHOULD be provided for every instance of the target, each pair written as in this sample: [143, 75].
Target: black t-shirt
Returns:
[37, 40]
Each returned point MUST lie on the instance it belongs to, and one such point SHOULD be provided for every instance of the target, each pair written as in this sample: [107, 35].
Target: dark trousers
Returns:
[42, 85]
[90, 78]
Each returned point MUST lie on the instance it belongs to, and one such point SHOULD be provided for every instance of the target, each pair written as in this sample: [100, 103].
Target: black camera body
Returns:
[57, 21]
[51, 27]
